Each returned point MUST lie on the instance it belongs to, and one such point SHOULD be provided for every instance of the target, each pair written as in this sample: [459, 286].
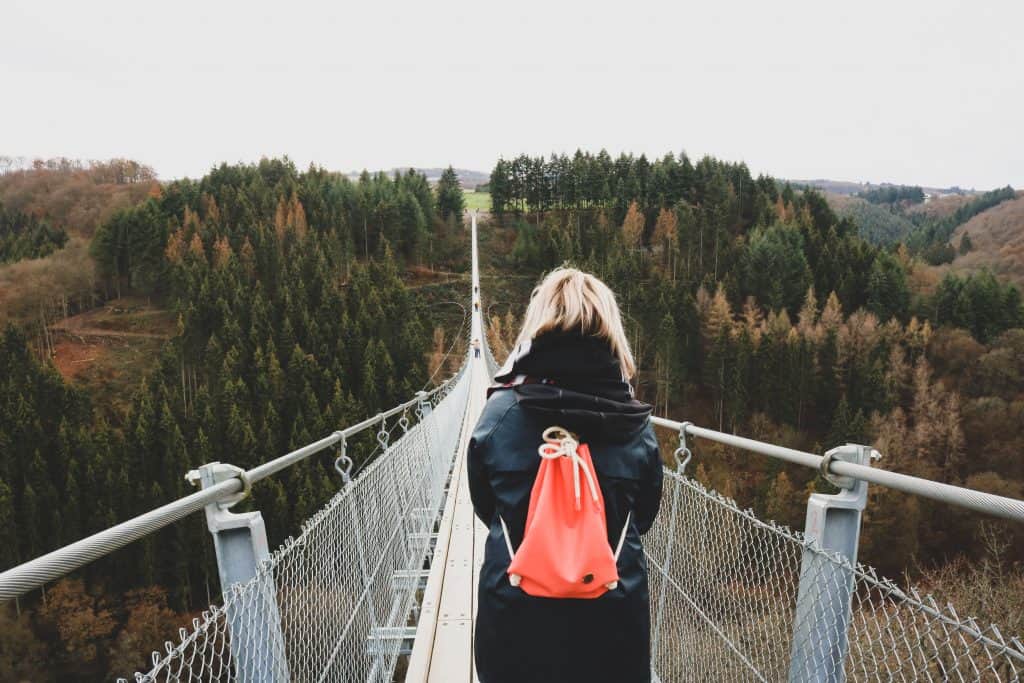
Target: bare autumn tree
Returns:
[40, 292]
[82, 623]
[290, 216]
[633, 226]
[716, 329]
[22, 653]
[666, 236]
[148, 624]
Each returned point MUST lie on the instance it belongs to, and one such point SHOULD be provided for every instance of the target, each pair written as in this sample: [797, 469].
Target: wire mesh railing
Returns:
[726, 606]
[489, 359]
[333, 603]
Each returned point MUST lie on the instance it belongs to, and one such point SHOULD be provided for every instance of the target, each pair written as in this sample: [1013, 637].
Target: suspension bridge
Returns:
[380, 584]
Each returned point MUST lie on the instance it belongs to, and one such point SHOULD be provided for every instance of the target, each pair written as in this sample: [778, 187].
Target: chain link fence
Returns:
[489, 359]
[726, 606]
[733, 598]
[333, 603]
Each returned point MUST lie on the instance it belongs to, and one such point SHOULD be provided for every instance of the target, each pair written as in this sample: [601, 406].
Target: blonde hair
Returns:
[568, 300]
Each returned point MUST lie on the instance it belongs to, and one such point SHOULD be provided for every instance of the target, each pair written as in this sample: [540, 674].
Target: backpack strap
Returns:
[622, 536]
[514, 579]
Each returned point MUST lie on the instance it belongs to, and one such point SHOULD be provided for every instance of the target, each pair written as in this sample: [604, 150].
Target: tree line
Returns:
[894, 194]
[527, 184]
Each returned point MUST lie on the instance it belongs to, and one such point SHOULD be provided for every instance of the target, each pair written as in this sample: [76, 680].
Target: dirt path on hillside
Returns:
[78, 327]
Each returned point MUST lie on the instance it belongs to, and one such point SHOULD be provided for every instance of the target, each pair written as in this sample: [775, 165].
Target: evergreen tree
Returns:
[888, 294]
[450, 201]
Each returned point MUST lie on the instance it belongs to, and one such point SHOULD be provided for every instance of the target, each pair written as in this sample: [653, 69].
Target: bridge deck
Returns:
[443, 648]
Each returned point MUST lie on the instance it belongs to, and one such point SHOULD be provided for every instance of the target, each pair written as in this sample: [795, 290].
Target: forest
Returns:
[301, 301]
[755, 309]
[292, 320]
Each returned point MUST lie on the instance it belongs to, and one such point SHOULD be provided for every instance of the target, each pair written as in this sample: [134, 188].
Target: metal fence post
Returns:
[823, 606]
[240, 540]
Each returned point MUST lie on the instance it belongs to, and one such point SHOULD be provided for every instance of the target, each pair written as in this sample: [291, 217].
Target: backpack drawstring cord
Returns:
[564, 446]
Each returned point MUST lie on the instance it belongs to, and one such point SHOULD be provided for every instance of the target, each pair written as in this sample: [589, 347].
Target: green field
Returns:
[477, 200]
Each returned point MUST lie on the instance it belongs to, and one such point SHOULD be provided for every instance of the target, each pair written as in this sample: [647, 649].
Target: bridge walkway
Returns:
[443, 648]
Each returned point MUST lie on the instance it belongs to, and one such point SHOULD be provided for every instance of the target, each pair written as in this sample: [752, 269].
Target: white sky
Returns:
[922, 91]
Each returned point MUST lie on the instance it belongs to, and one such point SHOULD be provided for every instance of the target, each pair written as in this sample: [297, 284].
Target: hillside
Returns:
[940, 207]
[997, 239]
[77, 196]
[846, 187]
[876, 223]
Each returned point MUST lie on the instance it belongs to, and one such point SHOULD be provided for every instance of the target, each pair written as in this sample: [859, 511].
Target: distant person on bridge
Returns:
[570, 367]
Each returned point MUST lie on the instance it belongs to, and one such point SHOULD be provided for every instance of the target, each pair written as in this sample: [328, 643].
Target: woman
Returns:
[571, 367]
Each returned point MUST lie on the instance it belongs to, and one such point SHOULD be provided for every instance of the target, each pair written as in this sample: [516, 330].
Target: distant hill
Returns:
[941, 207]
[997, 240]
[877, 224]
[74, 195]
[847, 187]
[468, 178]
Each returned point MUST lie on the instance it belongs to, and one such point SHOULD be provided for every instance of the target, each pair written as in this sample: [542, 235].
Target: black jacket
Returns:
[523, 639]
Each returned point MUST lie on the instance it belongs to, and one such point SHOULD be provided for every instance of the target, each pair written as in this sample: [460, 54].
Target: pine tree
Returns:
[847, 426]
[888, 295]
[450, 201]
[666, 360]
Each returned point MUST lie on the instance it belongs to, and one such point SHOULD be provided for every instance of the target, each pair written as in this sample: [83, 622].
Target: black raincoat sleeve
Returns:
[480, 491]
[649, 497]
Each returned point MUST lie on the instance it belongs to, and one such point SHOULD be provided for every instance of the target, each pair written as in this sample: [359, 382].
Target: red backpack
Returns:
[565, 551]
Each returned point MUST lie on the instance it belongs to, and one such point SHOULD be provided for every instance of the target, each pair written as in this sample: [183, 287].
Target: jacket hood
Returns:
[574, 381]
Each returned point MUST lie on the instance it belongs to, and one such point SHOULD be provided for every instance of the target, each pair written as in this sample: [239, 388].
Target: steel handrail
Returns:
[57, 563]
[987, 503]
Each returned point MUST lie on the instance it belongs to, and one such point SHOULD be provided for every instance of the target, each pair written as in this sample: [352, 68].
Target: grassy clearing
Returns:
[480, 201]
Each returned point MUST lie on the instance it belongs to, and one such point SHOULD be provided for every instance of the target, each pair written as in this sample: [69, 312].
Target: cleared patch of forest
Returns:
[108, 351]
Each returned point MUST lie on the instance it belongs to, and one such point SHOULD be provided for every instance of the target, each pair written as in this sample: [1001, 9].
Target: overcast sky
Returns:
[928, 92]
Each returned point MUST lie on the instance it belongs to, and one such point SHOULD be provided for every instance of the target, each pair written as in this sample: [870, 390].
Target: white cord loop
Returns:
[559, 442]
